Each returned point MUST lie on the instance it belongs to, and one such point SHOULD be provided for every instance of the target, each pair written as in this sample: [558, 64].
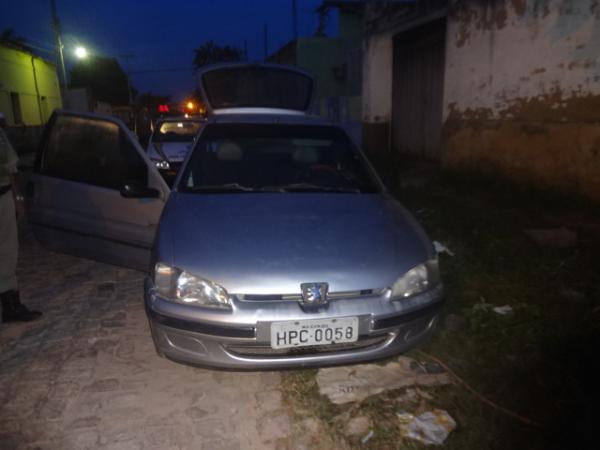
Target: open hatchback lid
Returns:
[252, 88]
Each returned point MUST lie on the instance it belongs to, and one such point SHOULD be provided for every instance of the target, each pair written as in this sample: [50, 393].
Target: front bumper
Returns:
[241, 340]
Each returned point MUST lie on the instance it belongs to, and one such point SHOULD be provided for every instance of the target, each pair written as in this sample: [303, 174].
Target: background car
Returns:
[170, 143]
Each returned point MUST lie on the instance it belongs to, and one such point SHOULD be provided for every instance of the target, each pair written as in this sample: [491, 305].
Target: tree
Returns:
[210, 53]
[104, 77]
[10, 37]
[151, 101]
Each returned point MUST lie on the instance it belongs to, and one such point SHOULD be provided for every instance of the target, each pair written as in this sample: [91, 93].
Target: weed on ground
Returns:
[540, 360]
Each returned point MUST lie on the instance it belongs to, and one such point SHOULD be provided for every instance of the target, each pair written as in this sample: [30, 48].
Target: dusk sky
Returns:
[162, 35]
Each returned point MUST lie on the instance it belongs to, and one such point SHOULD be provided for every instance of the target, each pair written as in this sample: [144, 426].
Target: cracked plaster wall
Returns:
[522, 91]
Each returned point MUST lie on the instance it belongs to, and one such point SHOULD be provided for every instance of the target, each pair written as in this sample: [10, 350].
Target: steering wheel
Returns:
[323, 168]
[318, 173]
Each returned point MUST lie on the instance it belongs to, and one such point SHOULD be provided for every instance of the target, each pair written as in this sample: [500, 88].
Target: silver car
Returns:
[277, 245]
[170, 143]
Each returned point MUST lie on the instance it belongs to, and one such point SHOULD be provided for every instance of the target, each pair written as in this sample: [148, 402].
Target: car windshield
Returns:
[173, 131]
[276, 158]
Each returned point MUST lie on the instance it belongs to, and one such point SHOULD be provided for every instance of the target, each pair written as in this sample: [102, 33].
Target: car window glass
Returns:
[173, 131]
[92, 151]
[285, 156]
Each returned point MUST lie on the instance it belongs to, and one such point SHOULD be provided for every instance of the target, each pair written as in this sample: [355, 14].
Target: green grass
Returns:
[540, 361]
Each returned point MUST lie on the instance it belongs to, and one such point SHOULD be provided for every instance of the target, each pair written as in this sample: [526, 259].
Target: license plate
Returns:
[303, 333]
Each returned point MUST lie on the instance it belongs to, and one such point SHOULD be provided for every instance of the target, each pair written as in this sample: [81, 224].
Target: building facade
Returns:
[29, 87]
[510, 87]
[336, 64]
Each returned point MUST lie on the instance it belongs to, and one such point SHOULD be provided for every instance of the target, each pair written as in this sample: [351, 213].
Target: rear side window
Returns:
[92, 151]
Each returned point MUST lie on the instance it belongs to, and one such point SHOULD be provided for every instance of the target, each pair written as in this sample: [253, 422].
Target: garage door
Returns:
[418, 82]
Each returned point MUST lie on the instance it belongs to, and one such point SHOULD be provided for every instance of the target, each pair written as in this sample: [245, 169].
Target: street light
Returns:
[81, 52]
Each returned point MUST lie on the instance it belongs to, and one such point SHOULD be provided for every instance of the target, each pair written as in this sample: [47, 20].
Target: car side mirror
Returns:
[137, 191]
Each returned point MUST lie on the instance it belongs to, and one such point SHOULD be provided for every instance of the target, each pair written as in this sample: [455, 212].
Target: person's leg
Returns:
[12, 309]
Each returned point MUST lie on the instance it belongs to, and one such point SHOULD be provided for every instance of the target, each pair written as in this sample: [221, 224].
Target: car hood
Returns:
[269, 243]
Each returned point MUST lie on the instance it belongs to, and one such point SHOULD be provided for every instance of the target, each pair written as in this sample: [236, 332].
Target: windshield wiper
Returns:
[231, 187]
[228, 187]
[296, 187]
[309, 187]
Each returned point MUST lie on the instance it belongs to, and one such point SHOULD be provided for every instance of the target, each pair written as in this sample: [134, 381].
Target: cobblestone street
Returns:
[87, 376]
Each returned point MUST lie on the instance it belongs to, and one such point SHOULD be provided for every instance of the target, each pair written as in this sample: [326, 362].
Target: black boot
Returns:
[14, 311]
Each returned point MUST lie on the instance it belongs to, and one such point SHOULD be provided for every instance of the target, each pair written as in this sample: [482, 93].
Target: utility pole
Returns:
[246, 50]
[265, 41]
[294, 19]
[127, 57]
[59, 48]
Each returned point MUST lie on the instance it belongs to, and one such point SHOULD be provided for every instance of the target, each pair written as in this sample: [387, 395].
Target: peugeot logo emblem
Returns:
[314, 294]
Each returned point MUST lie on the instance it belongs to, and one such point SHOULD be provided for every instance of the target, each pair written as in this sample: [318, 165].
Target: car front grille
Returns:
[363, 343]
[364, 293]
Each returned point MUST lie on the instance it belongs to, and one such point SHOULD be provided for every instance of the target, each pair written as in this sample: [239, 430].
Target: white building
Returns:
[504, 86]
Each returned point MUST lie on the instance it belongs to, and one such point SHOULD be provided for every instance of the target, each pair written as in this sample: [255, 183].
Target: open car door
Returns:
[94, 193]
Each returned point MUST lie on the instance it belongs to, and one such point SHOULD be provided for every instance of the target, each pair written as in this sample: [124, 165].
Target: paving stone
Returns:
[196, 413]
[83, 440]
[85, 422]
[269, 400]
[166, 437]
[221, 445]
[10, 441]
[86, 376]
[275, 425]
[51, 409]
[103, 345]
[112, 323]
[77, 375]
[210, 428]
[106, 385]
[134, 385]
[23, 402]
[127, 445]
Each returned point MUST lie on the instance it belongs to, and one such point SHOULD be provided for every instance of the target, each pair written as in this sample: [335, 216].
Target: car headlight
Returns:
[417, 280]
[182, 287]
[161, 164]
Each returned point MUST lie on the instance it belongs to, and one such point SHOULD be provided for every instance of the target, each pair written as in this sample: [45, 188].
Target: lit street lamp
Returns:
[81, 52]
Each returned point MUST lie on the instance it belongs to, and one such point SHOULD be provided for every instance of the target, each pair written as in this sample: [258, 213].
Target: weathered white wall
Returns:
[377, 78]
[522, 91]
[501, 53]
[383, 21]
